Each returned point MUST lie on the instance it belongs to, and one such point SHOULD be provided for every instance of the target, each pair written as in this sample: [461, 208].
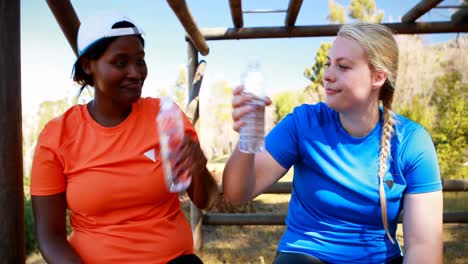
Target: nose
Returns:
[134, 71]
[328, 75]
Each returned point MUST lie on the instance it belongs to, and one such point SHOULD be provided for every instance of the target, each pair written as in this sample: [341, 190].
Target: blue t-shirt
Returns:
[334, 212]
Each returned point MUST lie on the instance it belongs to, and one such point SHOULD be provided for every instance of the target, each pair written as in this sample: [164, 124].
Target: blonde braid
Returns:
[387, 132]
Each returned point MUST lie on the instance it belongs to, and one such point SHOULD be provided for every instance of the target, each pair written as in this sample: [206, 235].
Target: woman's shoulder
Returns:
[69, 118]
[411, 136]
[313, 114]
[407, 128]
[64, 125]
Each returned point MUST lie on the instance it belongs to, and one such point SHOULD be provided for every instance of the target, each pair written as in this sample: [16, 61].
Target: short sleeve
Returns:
[282, 142]
[421, 168]
[47, 176]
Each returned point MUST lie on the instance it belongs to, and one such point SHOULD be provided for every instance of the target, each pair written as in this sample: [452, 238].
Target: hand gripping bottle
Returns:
[252, 134]
[171, 133]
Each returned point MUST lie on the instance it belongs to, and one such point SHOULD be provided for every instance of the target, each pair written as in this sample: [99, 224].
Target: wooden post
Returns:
[192, 55]
[182, 12]
[67, 19]
[11, 159]
[195, 213]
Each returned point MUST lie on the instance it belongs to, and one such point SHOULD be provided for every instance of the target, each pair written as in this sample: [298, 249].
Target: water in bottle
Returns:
[252, 134]
[171, 133]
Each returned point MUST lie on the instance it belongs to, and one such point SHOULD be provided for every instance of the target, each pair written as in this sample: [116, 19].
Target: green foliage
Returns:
[51, 109]
[337, 13]
[360, 10]
[450, 133]
[285, 102]
[315, 73]
[419, 111]
[30, 231]
[365, 11]
[178, 91]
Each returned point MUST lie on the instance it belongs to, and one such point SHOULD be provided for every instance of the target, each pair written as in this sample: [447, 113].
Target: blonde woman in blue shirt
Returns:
[357, 164]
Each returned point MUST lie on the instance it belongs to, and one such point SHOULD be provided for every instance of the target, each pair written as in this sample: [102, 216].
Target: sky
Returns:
[47, 58]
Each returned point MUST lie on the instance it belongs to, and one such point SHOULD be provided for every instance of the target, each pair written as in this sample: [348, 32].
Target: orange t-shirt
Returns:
[120, 209]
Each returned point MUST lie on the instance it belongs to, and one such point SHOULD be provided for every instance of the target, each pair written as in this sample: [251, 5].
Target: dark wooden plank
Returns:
[279, 219]
[67, 19]
[419, 10]
[293, 11]
[325, 30]
[182, 12]
[460, 16]
[243, 219]
[236, 13]
[11, 158]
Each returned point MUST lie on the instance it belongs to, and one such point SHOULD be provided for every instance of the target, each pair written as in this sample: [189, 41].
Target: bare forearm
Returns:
[239, 177]
[58, 250]
[204, 189]
[430, 253]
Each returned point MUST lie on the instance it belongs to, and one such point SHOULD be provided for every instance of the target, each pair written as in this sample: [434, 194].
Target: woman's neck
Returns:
[108, 114]
[360, 123]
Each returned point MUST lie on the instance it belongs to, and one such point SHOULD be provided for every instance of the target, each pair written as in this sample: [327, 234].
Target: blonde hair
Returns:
[382, 53]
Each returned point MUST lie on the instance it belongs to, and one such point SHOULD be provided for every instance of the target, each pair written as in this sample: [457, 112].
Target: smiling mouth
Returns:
[133, 86]
[330, 91]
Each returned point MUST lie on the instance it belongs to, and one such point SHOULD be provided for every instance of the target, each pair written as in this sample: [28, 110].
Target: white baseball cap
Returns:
[99, 26]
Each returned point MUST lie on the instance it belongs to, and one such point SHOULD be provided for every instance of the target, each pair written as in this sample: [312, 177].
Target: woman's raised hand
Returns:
[240, 106]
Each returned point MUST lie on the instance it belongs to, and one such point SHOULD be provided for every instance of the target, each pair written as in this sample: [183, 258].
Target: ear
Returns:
[378, 79]
[86, 65]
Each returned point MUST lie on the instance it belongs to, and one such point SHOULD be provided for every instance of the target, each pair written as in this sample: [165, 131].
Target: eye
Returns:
[141, 62]
[343, 67]
[327, 64]
[120, 63]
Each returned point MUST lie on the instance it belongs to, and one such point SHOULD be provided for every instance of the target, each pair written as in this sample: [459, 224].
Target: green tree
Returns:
[365, 11]
[419, 111]
[450, 133]
[177, 92]
[337, 13]
[285, 102]
[315, 73]
[33, 125]
[180, 89]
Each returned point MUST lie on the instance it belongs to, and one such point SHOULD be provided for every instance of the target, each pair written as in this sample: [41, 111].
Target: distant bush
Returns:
[450, 133]
[30, 236]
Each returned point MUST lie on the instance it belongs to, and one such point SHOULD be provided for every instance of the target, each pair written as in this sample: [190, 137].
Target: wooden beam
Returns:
[67, 19]
[419, 10]
[182, 12]
[236, 13]
[279, 219]
[460, 185]
[325, 30]
[11, 156]
[460, 16]
[293, 11]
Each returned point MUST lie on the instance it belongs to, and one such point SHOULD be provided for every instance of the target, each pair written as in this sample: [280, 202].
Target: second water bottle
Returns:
[252, 134]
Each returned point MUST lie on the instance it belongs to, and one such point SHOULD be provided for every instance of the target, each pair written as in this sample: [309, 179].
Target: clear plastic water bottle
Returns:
[171, 133]
[252, 134]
